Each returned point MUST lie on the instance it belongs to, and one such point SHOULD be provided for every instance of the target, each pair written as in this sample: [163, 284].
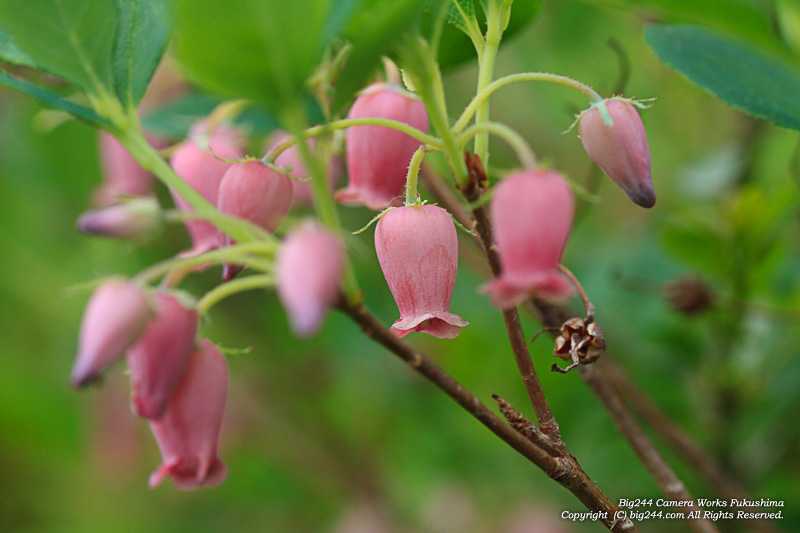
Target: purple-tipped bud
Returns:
[158, 360]
[531, 220]
[127, 220]
[377, 156]
[200, 169]
[417, 248]
[309, 270]
[620, 150]
[122, 175]
[115, 317]
[188, 433]
[291, 157]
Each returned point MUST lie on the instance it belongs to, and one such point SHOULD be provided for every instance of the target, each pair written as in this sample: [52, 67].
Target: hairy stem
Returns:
[347, 123]
[219, 293]
[515, 140]
[413, 175]
[484, 94]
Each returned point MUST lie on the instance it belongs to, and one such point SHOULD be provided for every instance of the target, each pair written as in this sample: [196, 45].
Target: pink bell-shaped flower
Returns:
[417, 249]
[291, 157]
[126, 220]
[309, 270]
[158, 360]
[122, 174]
[531, 220]
[377, 156]
[620, 150]
[188, 433]
[193, 161]
[116, 315]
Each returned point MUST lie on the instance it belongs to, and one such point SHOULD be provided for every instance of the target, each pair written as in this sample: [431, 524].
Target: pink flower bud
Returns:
[377, 156]
[417, 249]
[200, 169]
[188, 433]
[127, 220]
[122, 174]
[309, 270]
[116, 315]
[257, 193]
[531, 219]
[158, 360]
[620, 150]
[291, 157]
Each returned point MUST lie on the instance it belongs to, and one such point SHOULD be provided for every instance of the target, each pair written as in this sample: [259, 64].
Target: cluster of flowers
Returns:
[180, 384]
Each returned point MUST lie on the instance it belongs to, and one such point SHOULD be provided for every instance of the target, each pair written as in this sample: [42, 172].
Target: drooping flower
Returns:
[620, 150]
[377, 156]
[158, 360]
[531, 220]
[309, 270]
[126, 220]
[291, 157]
[115, 317]
[417, 249]
[122, 174]
[188, 433]
[193, 161]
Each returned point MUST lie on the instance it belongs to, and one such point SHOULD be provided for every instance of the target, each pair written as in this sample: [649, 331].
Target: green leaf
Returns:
[10, 52]
[175, 118]
[456, 48]
[732, 70]
[745, 18]
[460, 12]
[374, 30]
[71, 39]
[258, 49]
[53, 100]
[141, 39]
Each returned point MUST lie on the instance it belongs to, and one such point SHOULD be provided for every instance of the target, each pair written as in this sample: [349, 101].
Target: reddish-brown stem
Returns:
[664, 476]
[563, 468]
[519, 345]
[702, 463]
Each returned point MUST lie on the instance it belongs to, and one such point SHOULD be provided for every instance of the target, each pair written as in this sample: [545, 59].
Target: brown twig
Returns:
[664, 476]
[519, 345]
[704, 464]
[552, 317]
[562, 468]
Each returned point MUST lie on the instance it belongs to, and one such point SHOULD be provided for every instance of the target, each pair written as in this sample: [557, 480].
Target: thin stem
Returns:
[316, 131]
[232, 254]
[562, 468]
[485, 75]
[515, 140]
[219, 218]
[484, 94]
[323, 199]
[219, 293]
[663, 475]
[149, 159]
[413, 175]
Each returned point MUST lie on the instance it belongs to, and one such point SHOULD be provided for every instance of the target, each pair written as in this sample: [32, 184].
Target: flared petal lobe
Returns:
[188, 434]
[158, 360]
[194, 163]
[417, 249]
[309, 270]
[115, 317]
[620, 150]
[531, 220]
[377, 156]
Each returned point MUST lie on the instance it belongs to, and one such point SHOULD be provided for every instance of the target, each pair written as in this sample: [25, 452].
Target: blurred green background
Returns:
[333, 433]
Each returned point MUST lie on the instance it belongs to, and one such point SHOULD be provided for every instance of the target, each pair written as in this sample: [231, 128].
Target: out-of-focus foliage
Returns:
[330, 433]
